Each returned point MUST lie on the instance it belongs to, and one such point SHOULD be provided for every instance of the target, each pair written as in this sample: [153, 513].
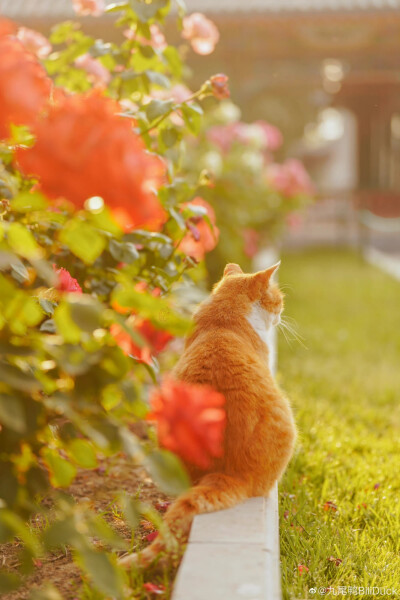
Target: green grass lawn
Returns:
[339, 499]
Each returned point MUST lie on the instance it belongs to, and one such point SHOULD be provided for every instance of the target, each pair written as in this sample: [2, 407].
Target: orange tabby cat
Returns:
[228, 351]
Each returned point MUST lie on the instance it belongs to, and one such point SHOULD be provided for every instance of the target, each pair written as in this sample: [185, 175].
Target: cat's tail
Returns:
[214, 492]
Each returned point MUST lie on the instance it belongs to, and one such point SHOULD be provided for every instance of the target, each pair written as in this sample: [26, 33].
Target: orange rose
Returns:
[85, 149]
[24, 85]
[201, 238]
[190, 421]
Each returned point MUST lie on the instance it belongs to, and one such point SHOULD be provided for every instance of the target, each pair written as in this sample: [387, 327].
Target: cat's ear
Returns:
[232, 269]
[260, 281]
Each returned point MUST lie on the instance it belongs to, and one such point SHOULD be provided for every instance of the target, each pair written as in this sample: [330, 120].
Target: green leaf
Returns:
[9, 582]
[18, 379]
[146, 11]
[131, 509]
[22, 241]
[16, 524]
[158, 78]
[157, 310]
[123, 251]
[62, 473]
[85, 312]
[19, 272]
[21, 135]
[47, 592]
[192, 115]
[168, 472]
[61, 32]
[48, 326]
[47, 306]
[102, 571]
[158, 108]
[66, 326]
[83, 240]
[12, 413]
[174, 61]
[62, 532]
[106, 534]
[104, 220]
[83, 453]
[170, 136]
[28, 201]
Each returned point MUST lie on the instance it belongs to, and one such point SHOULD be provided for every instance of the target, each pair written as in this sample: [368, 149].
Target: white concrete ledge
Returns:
[233, 554]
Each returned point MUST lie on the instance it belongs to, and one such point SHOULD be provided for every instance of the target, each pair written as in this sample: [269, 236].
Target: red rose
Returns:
[156, 339]
[66, 283]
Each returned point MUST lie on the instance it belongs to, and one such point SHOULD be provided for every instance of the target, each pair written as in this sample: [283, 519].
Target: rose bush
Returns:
[252, 194]
[98, 228]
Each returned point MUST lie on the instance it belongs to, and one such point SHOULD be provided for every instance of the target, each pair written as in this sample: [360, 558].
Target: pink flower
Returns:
[66, 283]
[156, 41]
[224, 135]
[290, 179]
[179, 93]
[273, 136]
[34, 41]
[219, 86]
[294, 221]
[250, 237]
[97, 72]
[202, 33]
[94, 8]
[201, 238]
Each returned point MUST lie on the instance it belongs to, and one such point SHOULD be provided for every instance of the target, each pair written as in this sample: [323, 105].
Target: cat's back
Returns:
[218, 356]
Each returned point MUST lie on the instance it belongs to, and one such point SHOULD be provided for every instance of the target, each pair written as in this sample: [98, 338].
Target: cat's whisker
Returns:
[284, 326]
[292, 330]
[291, 325]
[282, 329]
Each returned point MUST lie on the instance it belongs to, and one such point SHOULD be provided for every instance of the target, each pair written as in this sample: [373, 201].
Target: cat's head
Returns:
[243, 294]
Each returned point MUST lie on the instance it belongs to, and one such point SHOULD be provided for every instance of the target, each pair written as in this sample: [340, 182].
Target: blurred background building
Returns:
[327, 73]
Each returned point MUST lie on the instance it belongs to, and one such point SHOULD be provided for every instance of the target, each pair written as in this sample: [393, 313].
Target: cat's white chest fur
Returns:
[261, 321]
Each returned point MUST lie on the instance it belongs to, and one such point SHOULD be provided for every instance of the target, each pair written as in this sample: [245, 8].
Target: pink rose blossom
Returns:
[34, 41]
[156, 41]
[290, 178]
[294, 221]
[250, 238]
[84, 8]
[224, 135]
[97, 72]
[273, 136]
[201, 32]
